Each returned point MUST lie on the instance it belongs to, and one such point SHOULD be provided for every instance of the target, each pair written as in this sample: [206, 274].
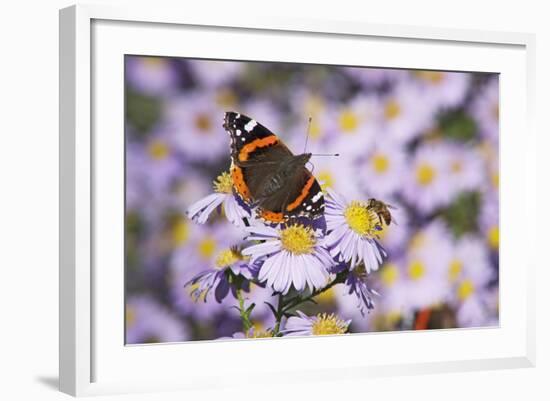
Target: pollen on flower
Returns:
[328, 324]
[259, 333]
[326, 179]
[392, 110]
[179, 232]
[416, 270]
[454, 269]
[361, 219]
[206, 247]
[425, 174]
[153, 63]
[380, 163]
[389, 274]
[130, 316]
[434, 77]
[348, 121]
[465, 289]
[298, 239]
[227, 257]
[223, 183]
[158, 150]
[203, 122]
[326, 297]
[493, 237]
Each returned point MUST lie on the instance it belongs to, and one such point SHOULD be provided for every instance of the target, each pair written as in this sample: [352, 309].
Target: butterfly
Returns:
[268, 176]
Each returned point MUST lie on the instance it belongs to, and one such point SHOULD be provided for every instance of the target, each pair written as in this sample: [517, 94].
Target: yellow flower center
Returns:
[361, 218]
[203, 122]
[158, 150]
[206, 247]
[418, 240]
[454, 269]
[314, 130]
[259, 332]
[348, 121]
[130, 316]
[326, 297]
[433, 77]
[328, 324]
[389, 274]
[227, 257]
[496, 111]
[194, 287]
[326, 178]
[180, 232]
[456, 166]
[425, 174]
[392, 110]
[465, 290]
[297, 239]
[153, 63]
[495, 179]
[380, 163]
[223, 183]
[416, 270]
[493, 236]
[226, 98]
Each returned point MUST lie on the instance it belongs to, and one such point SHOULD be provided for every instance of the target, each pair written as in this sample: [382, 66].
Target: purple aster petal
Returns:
[200, 210]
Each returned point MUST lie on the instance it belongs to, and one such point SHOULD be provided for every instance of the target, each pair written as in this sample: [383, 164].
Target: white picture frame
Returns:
[91, 362]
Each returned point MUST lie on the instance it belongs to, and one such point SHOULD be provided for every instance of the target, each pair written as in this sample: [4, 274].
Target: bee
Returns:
[382, 210]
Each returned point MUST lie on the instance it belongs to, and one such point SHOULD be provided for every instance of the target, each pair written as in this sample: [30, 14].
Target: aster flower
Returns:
[374, 77]
[352, 124]
[193, 122]
[429, 184]
[214, 73]
[443, 89]
[356, 283]
[322, 324]
[353, 228]
[400, 115]
[485, 110]
[381, 169]
[251, 333]
[149, 322]
[290, 256]
[199, 253]
[223, 195]
[151, 75]
[231, 268]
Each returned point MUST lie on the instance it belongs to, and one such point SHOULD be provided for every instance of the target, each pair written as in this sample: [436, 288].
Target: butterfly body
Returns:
[267, 175]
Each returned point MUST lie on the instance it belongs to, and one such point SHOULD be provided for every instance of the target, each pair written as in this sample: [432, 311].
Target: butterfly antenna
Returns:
[307, 132]
[326, 154]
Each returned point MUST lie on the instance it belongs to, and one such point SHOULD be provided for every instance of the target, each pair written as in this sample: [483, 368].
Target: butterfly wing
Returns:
[256, 153]
[301, 196]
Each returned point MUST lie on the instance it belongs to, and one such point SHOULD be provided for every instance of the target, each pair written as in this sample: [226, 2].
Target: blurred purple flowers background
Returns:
[425, 142]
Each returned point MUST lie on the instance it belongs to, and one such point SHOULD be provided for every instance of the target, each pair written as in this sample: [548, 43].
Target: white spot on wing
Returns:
[308, 208]
[238, 132]
[317, 197]
[250, 125]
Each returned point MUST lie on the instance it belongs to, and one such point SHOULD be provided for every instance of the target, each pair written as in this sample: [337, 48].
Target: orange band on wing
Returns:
[303, 194]
[272, 217]
[255, 144]
[238, 182]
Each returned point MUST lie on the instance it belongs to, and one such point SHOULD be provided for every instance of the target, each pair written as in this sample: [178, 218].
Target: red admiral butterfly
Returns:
[267, 175]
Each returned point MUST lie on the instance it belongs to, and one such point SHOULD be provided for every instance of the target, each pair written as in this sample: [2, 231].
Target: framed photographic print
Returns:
[338, 191]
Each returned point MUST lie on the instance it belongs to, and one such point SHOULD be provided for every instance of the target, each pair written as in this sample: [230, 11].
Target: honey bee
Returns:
[382, 210]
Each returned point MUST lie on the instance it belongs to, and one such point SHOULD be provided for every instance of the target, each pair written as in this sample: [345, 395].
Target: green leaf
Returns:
[457, 125]
[462, 214]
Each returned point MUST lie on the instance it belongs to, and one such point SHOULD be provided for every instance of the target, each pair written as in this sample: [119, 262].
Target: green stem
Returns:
[294, 302]
[247, 324]
[279, 315]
